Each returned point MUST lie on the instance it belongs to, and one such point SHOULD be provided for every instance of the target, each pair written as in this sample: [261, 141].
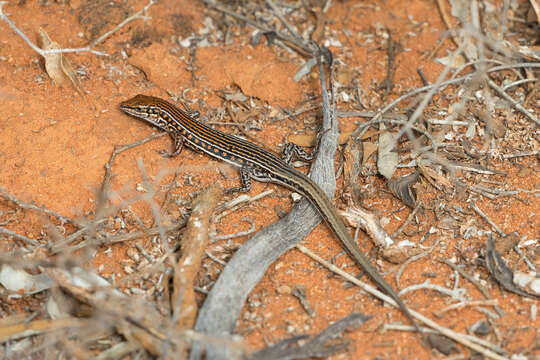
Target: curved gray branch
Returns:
[222, 307]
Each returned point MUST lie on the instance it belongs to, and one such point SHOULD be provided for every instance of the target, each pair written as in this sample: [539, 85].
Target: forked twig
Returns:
[88, 48]
[25, 205]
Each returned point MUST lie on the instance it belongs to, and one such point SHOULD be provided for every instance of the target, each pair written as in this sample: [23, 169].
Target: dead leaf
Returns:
[536, 7]
[402, 188]
[388, 159]
[497, 126]
[398, 255]
[529, 281]
[344, 75]
[501, 272]
[237, 96]
[58, 66]
[507, 243]
[443, 344]
[18, 280]
[352, 154]
[524, 172]
[369, 149]
[529, 53]
[481, 328]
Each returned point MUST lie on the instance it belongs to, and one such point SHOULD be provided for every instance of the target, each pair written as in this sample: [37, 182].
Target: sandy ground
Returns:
[54, 145]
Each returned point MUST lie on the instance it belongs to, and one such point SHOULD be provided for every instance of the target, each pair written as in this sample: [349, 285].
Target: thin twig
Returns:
[104, 191]
[513, 102]
[60, 245]
[250, 231]
[532, 94]
[481, 65]
[407, 221]
[406, 129]
[445, 331]
[402, 122]
[491, 302]
[278, 14]
[301, 46]
[487, 219]
[149, 197]
[5, 231]
[411, 259]
[129, 19]
[520, 154]
[456, 294]
[471, 279]
[24, 205]
[525, 258]
[115, 238]
[461, 167]
[475, 339]
[440, 86]
[242, 200]
[518, 82]
[120, 149]
[88, 48]
[213, 257]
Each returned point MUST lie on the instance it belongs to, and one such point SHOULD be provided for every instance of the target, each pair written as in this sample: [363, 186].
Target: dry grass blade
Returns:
[25, 329]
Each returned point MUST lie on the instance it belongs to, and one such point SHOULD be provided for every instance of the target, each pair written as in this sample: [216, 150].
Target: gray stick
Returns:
[222, 307]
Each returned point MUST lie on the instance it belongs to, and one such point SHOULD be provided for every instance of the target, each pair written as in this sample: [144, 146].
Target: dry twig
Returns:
[89, 48]
[194, 242]
[445, 331]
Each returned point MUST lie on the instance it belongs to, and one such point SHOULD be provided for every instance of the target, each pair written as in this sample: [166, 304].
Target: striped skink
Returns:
[255, 163]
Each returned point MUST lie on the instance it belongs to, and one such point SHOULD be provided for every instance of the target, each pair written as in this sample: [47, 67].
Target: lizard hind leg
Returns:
[291, 150]
[178, 146]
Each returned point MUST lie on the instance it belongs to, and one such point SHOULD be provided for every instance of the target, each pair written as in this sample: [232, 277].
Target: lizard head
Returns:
[148, 108]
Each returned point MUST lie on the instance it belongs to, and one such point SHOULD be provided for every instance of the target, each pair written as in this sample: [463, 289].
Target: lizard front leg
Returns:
[178, 146]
